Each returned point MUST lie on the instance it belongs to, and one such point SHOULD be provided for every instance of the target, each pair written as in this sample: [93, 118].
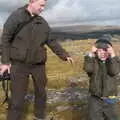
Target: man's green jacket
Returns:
[28, 46]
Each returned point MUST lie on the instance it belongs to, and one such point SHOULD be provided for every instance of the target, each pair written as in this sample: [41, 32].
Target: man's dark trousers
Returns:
[19, 85]
[99, 110]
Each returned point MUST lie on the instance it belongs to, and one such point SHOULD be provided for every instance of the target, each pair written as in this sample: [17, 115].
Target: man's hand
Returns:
[111, 51]
[4, 67]
[70, 60]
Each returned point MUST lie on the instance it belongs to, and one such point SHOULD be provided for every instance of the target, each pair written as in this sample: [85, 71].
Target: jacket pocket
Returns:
[36, 55]
[40, 55]
[17, 53]
[111, 86]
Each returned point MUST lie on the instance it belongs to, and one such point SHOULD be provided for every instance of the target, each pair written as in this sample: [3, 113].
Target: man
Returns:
[102, 65]
[25, 54]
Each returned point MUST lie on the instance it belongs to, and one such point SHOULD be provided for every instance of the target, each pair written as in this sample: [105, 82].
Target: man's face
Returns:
[38, 6]
[102, 54]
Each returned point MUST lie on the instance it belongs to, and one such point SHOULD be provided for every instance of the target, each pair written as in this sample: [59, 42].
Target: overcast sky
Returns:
[65, 12]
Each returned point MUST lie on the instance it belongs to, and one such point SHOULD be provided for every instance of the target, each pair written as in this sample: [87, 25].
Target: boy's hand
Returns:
[111, 51]
[94, 49]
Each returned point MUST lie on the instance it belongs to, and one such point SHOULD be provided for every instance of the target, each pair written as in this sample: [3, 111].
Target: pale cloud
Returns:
[84, 11]
[62, 12]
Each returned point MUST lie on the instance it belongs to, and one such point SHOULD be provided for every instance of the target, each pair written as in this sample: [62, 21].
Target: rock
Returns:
[68, 95]
[81, 82]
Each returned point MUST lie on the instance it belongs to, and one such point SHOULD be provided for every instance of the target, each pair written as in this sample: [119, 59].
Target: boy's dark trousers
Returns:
[99, 110]
[19, 85]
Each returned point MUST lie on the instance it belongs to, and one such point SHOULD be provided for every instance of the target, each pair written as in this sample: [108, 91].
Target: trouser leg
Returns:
[95, 109]
[19, 84]
[109, 111]
[40, 80]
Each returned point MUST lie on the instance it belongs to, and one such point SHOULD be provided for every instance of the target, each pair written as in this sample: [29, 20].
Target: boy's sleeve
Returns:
[113, 66]
[89, 63]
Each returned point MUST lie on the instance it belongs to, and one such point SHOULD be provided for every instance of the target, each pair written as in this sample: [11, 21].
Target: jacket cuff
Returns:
[89, 58]
[5, 60]
[64, 56]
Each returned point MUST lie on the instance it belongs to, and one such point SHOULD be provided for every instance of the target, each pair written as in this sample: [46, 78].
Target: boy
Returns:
[101, 65]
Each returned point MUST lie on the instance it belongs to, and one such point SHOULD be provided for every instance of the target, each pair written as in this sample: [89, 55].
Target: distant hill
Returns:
[84, 28]
[82, 31]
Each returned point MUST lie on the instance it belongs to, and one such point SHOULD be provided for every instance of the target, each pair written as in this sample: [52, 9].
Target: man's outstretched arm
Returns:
[58, 50]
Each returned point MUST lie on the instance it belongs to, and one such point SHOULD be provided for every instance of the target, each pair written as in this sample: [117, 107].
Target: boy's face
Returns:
[102, 53]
